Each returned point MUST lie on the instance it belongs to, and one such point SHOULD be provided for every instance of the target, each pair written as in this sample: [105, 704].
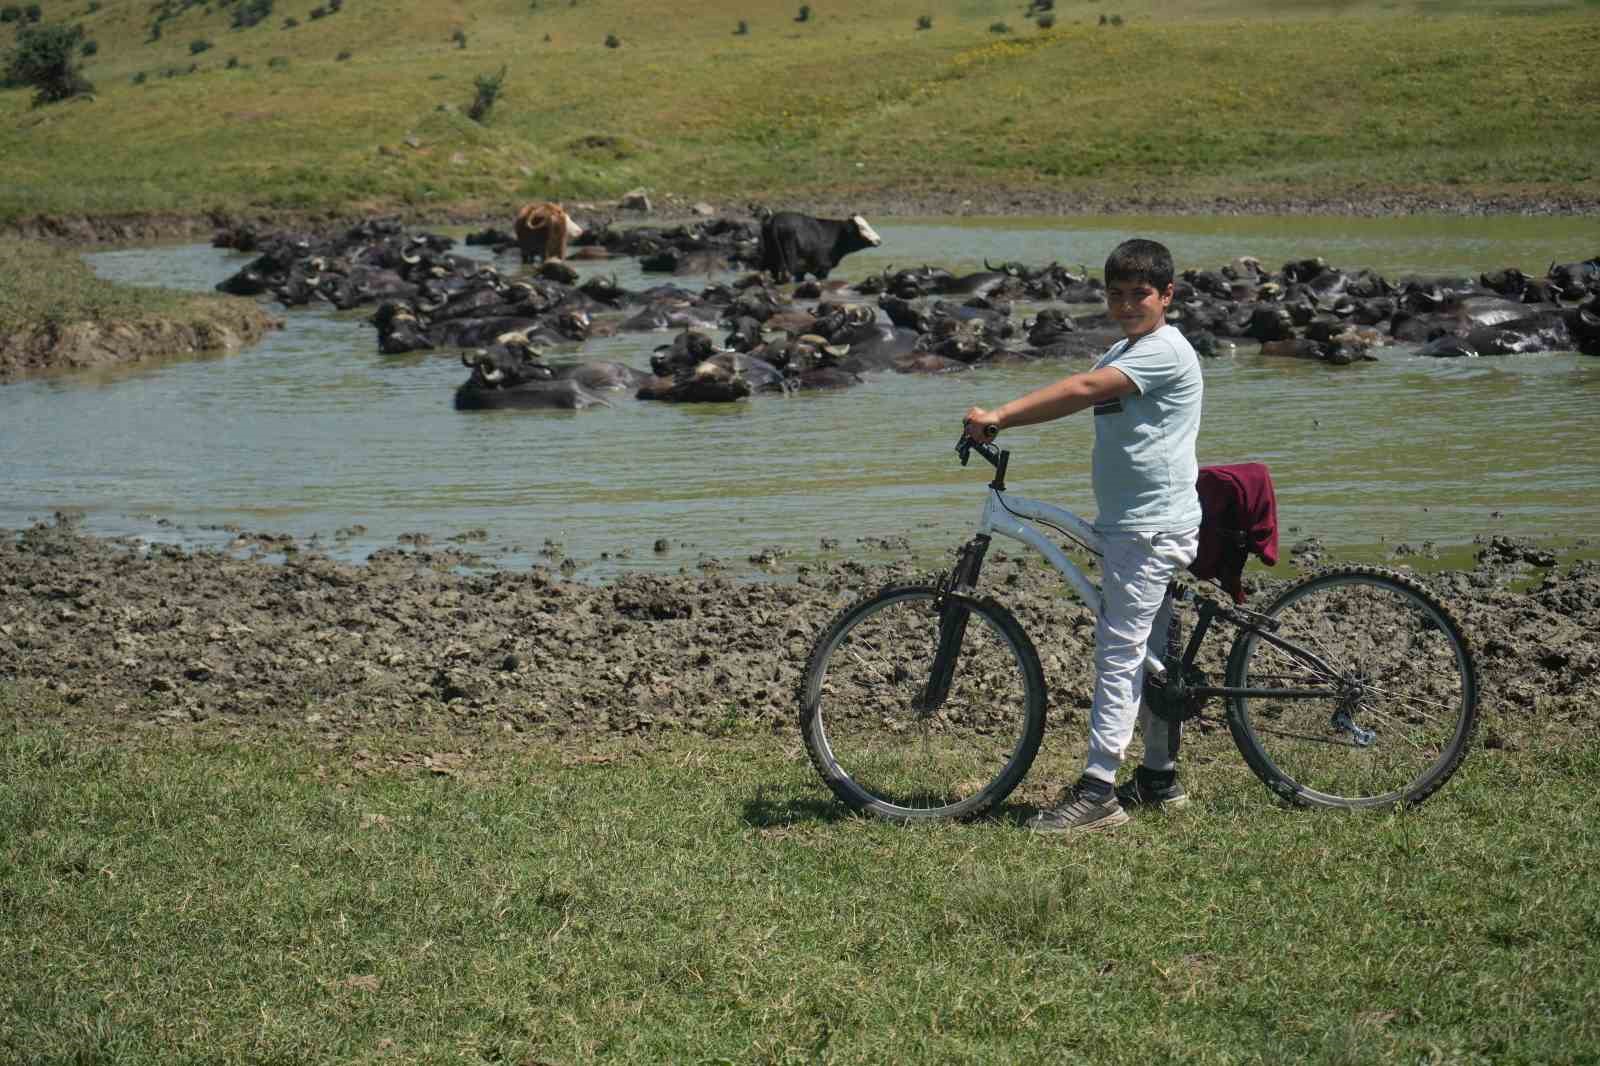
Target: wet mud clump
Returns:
[105, 635]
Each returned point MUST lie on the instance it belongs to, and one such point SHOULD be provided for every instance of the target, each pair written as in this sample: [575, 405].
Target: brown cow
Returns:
[543, 230]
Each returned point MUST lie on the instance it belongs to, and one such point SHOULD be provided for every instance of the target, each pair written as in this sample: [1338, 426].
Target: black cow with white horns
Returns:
[793, 244]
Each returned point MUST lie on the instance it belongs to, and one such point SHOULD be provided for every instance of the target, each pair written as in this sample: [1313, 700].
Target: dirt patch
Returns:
[125, 636]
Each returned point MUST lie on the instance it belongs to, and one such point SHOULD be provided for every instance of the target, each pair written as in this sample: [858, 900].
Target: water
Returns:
[314, 433]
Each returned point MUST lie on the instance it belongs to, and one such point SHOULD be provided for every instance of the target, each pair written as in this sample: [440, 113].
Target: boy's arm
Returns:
[1056, 400]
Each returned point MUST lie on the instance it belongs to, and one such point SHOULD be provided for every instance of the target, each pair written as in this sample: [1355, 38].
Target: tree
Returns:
[46, 57]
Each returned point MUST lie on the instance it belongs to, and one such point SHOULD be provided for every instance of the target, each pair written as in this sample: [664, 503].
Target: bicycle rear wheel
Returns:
[1402, 691]
[883, 744]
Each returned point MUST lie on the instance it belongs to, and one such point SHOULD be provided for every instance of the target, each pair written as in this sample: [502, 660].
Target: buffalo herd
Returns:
[781, 326]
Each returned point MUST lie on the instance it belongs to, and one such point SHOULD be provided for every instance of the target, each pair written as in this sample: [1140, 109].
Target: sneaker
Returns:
[1082, 813]
[1138, 791]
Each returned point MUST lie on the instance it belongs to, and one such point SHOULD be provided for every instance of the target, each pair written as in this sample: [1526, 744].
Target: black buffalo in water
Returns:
[518, 378]
[793, 244]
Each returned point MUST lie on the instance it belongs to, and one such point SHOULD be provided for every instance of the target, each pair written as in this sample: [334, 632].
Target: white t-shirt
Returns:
[1144, 459]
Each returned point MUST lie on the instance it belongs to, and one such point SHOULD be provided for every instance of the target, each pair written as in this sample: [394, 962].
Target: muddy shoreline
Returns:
[107, 637]
[82, 231]
[225, 326]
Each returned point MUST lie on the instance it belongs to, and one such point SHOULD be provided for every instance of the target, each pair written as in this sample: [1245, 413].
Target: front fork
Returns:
[953, 617]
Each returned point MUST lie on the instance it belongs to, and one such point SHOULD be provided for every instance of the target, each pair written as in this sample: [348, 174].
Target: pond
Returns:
[315, 434]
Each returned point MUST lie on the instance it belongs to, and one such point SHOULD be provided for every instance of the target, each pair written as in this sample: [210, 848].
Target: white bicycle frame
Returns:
[1005, 517]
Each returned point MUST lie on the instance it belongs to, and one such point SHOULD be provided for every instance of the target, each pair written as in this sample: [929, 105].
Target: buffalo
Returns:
[793, 244]
[542, 231]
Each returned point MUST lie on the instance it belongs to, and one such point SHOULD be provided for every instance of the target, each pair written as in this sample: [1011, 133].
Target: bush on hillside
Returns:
[46, 59]
[743, 30]
[10, 13]
[198, 45]
[924, 22]
[805, 13]
[613, 41]
[251, 12]
[488, 87]
[460, 37]
[89, 48]
[32, 13]
[999, 27]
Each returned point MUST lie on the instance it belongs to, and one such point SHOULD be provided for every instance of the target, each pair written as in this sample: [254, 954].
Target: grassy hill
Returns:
[363, 107]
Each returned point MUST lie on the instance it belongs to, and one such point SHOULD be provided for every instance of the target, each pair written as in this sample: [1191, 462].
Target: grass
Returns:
[689, 900]
[45, 287]
[1252, 99]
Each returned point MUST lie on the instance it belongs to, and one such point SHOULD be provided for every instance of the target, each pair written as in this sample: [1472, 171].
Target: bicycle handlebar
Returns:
[966, 446]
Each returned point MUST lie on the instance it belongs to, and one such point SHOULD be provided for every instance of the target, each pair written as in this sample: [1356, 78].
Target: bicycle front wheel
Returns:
[898, 729]
[1398, 698]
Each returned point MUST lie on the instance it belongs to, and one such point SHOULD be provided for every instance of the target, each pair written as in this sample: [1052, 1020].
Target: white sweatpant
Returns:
[1134, 615]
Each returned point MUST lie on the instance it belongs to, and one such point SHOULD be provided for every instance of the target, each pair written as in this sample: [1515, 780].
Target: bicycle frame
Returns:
[1008, 515]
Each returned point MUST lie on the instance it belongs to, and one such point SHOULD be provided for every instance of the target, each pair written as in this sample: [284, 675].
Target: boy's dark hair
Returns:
[1140, 260]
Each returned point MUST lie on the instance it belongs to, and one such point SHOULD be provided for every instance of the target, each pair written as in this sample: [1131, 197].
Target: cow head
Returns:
[868, 234]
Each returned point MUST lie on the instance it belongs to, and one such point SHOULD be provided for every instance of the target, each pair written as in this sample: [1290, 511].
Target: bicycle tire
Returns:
[1408, 684]
[884, 755]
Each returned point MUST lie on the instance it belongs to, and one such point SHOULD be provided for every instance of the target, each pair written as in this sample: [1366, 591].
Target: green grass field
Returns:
[705, 901]
[1225, 98]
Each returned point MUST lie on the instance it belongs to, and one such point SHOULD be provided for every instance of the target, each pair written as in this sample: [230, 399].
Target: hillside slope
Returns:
[362, 107]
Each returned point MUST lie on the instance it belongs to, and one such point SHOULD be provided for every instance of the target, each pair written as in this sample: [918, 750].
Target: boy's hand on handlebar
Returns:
[981, 425]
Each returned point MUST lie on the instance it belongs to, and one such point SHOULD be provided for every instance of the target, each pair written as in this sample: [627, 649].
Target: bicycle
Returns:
[1354, 688]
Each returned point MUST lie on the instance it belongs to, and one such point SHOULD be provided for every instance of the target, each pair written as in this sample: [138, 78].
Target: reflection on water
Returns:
[314, 431]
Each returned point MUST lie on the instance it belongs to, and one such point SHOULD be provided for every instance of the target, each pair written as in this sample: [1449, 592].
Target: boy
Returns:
[1145, 393]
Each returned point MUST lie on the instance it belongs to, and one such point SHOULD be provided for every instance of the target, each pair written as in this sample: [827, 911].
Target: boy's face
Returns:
[1137, 306]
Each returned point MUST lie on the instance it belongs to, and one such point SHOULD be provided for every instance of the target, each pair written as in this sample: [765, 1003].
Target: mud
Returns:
[107, 637]
[225, 326]
[928, 202]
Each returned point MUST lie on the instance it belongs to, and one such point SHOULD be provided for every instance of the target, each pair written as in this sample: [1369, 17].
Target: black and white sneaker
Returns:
[1143, 789]
[1082, 813]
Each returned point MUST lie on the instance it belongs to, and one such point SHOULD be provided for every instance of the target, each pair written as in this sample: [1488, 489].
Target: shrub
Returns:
[232, 63]
[10, 13]
[1116, 20]
[460, 37]
[488, 88]
[198, 45]
[999, 27]
[290, 23]
[342, 56]
[89, 48]
[278, 62]
[612, 41]
[805, 13]
[924, 22]
[138, 79]
[743, 30]
[250, 12]
[45, 58]
[33, 13]
[1046, 21]
[317, 12]
[335, 5]
[94, 5]
[155, 32]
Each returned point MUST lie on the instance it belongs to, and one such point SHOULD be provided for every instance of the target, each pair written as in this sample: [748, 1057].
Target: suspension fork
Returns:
[953, 617]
